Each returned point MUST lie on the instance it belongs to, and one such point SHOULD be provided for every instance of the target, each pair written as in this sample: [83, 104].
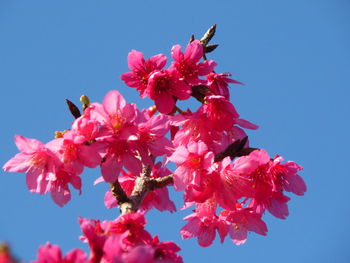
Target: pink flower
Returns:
[141, 70]
[204, 223]
[194, 128]
[287, 173]
[235, 179]
[67, 152]
[193, 163]
[219, 112]
[95, 235]
[125, 240]
[52, 254]
[152, 136]
[244, 220]
[164, 87]
[133, 224]
[119, 132]
[37, 161]
[44, 171]
[165, 251]
[222, 114]
[187, 63]
[262, 180]
[218, 84]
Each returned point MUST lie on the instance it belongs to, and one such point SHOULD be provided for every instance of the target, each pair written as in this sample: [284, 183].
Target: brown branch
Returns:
[143, 185]
[118, 192]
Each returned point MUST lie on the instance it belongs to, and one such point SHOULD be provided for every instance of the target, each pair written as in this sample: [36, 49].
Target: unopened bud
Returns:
[85, 101]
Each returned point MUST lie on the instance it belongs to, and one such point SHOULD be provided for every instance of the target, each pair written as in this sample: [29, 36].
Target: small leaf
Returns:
[73, 109]
[210, 48]
[191, 38]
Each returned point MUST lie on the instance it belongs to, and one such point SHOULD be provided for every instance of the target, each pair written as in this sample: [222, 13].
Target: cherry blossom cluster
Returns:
[230, 184]
[118, 241]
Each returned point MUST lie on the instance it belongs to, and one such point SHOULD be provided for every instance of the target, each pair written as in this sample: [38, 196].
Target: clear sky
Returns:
[293, 56]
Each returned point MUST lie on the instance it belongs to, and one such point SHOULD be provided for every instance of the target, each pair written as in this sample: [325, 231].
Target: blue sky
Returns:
[293, 56]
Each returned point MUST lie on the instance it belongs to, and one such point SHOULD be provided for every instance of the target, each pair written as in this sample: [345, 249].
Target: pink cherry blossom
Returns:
[151, 135]
[244, 221]
[141, 70]
[187, 63]
[219, 112]
[218, 84]
[204, 223]
[165, 251]
[51, 253]
[119, 132]
[44, 171]
[164, 87]
[193, 163]
[37, 161]
[133, 224]
[95, 235]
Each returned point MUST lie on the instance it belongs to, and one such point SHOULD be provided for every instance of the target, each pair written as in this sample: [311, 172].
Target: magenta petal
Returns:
[19, 163]
[158, 61]
[129, 112]
[140, 254]
[49, 253]
[90, 155]
[223, 229]
[191, 229]
[206, 67]
[176, 53]
[27, 145]
[161, 146]
[110, 169]
[32, 179]
[76, 182]
[113, 102]
[112, 250]
[132, 164]
[97, 113]
[60, 196]
[163, 202]
[246, 124]
[164, 103]
[182, 90]
[295, 184]
[206, 235]
[130, 79]
[110, 200]
[135, 60]
[158, 124]
[180, 155]
[180, 178]
[194, 51]
[257, 225]
[76, 256]
[278, 208]
[239, 235]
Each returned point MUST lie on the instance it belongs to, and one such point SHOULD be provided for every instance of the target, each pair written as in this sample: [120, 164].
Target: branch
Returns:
[143, 185]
